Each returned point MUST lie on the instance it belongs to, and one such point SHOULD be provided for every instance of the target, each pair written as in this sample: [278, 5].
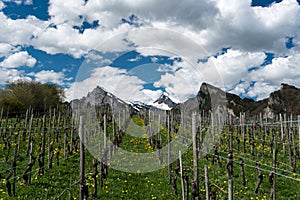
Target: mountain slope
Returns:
[285, 100]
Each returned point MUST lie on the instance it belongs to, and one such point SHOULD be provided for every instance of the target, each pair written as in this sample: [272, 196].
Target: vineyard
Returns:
[200, 156]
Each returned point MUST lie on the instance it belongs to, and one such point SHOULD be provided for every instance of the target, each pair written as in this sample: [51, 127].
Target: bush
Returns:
[20, 95]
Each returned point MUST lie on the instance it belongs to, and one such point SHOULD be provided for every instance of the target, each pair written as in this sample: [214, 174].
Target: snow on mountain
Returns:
[164, 102]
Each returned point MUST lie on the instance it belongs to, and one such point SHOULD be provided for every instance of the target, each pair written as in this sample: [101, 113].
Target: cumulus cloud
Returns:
[188, 29]
[193, 13]
[2, 5]
[49, 76]
[18, 59]
[231, 67]
[10, 75]
[252, 28]
[26, 2]
[261, 90]
[114, 80]
[20, 31]
[6, 49]
[282, 69]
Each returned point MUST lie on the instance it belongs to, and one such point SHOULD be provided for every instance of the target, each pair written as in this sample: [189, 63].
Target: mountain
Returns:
[164, 102]
[100, 99]
[209, 98]
[285, 100]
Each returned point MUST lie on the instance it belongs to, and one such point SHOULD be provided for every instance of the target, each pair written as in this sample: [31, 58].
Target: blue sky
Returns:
[138, 50]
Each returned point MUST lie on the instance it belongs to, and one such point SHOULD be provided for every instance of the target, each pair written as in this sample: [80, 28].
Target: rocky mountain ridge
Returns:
[286, 100]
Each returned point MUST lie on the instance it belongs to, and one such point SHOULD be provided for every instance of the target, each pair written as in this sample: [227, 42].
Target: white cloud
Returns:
[193, 13]
[20, 31]
[261, 90]
[113, 80]
[269, 78]
[49, 76]
[231, 67]
[281, 69]
[18, 59]
[224, 71]
[252, 28]
[26, 2]
[188, 29]
[10, 75]
[149, 96]
[6, 49]
[2, 5]
[183, 83]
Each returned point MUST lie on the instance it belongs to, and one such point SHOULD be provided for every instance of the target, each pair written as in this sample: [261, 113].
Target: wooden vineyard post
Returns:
[282, 135]
[159, 142]
[65, 139]
[72, 132]
[104, 132]
[206, 182]
[29, 135]
[272, 177]
[200, 136]
[14, 168]
[229, 167]
[169, 148]
[285, 131]
[82, 186]
[181, 175]
[230, 189]
[27, 173]
[289, 138]
[195, 190]
[299, 132]
[41, 157]
[242, 172]
[260, 179]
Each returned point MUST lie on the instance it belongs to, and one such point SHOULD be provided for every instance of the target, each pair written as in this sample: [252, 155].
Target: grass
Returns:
[152, 185]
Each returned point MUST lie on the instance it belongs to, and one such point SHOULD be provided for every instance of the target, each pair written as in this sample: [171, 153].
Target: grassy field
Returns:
[62, 181]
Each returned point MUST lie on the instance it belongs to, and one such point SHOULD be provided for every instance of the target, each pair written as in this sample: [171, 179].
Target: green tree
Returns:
[20, 95]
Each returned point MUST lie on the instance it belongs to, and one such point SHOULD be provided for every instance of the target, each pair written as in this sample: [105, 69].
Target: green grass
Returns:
[152, 185]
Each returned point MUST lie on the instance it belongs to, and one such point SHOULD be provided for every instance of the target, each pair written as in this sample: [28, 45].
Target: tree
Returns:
[18, 96]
